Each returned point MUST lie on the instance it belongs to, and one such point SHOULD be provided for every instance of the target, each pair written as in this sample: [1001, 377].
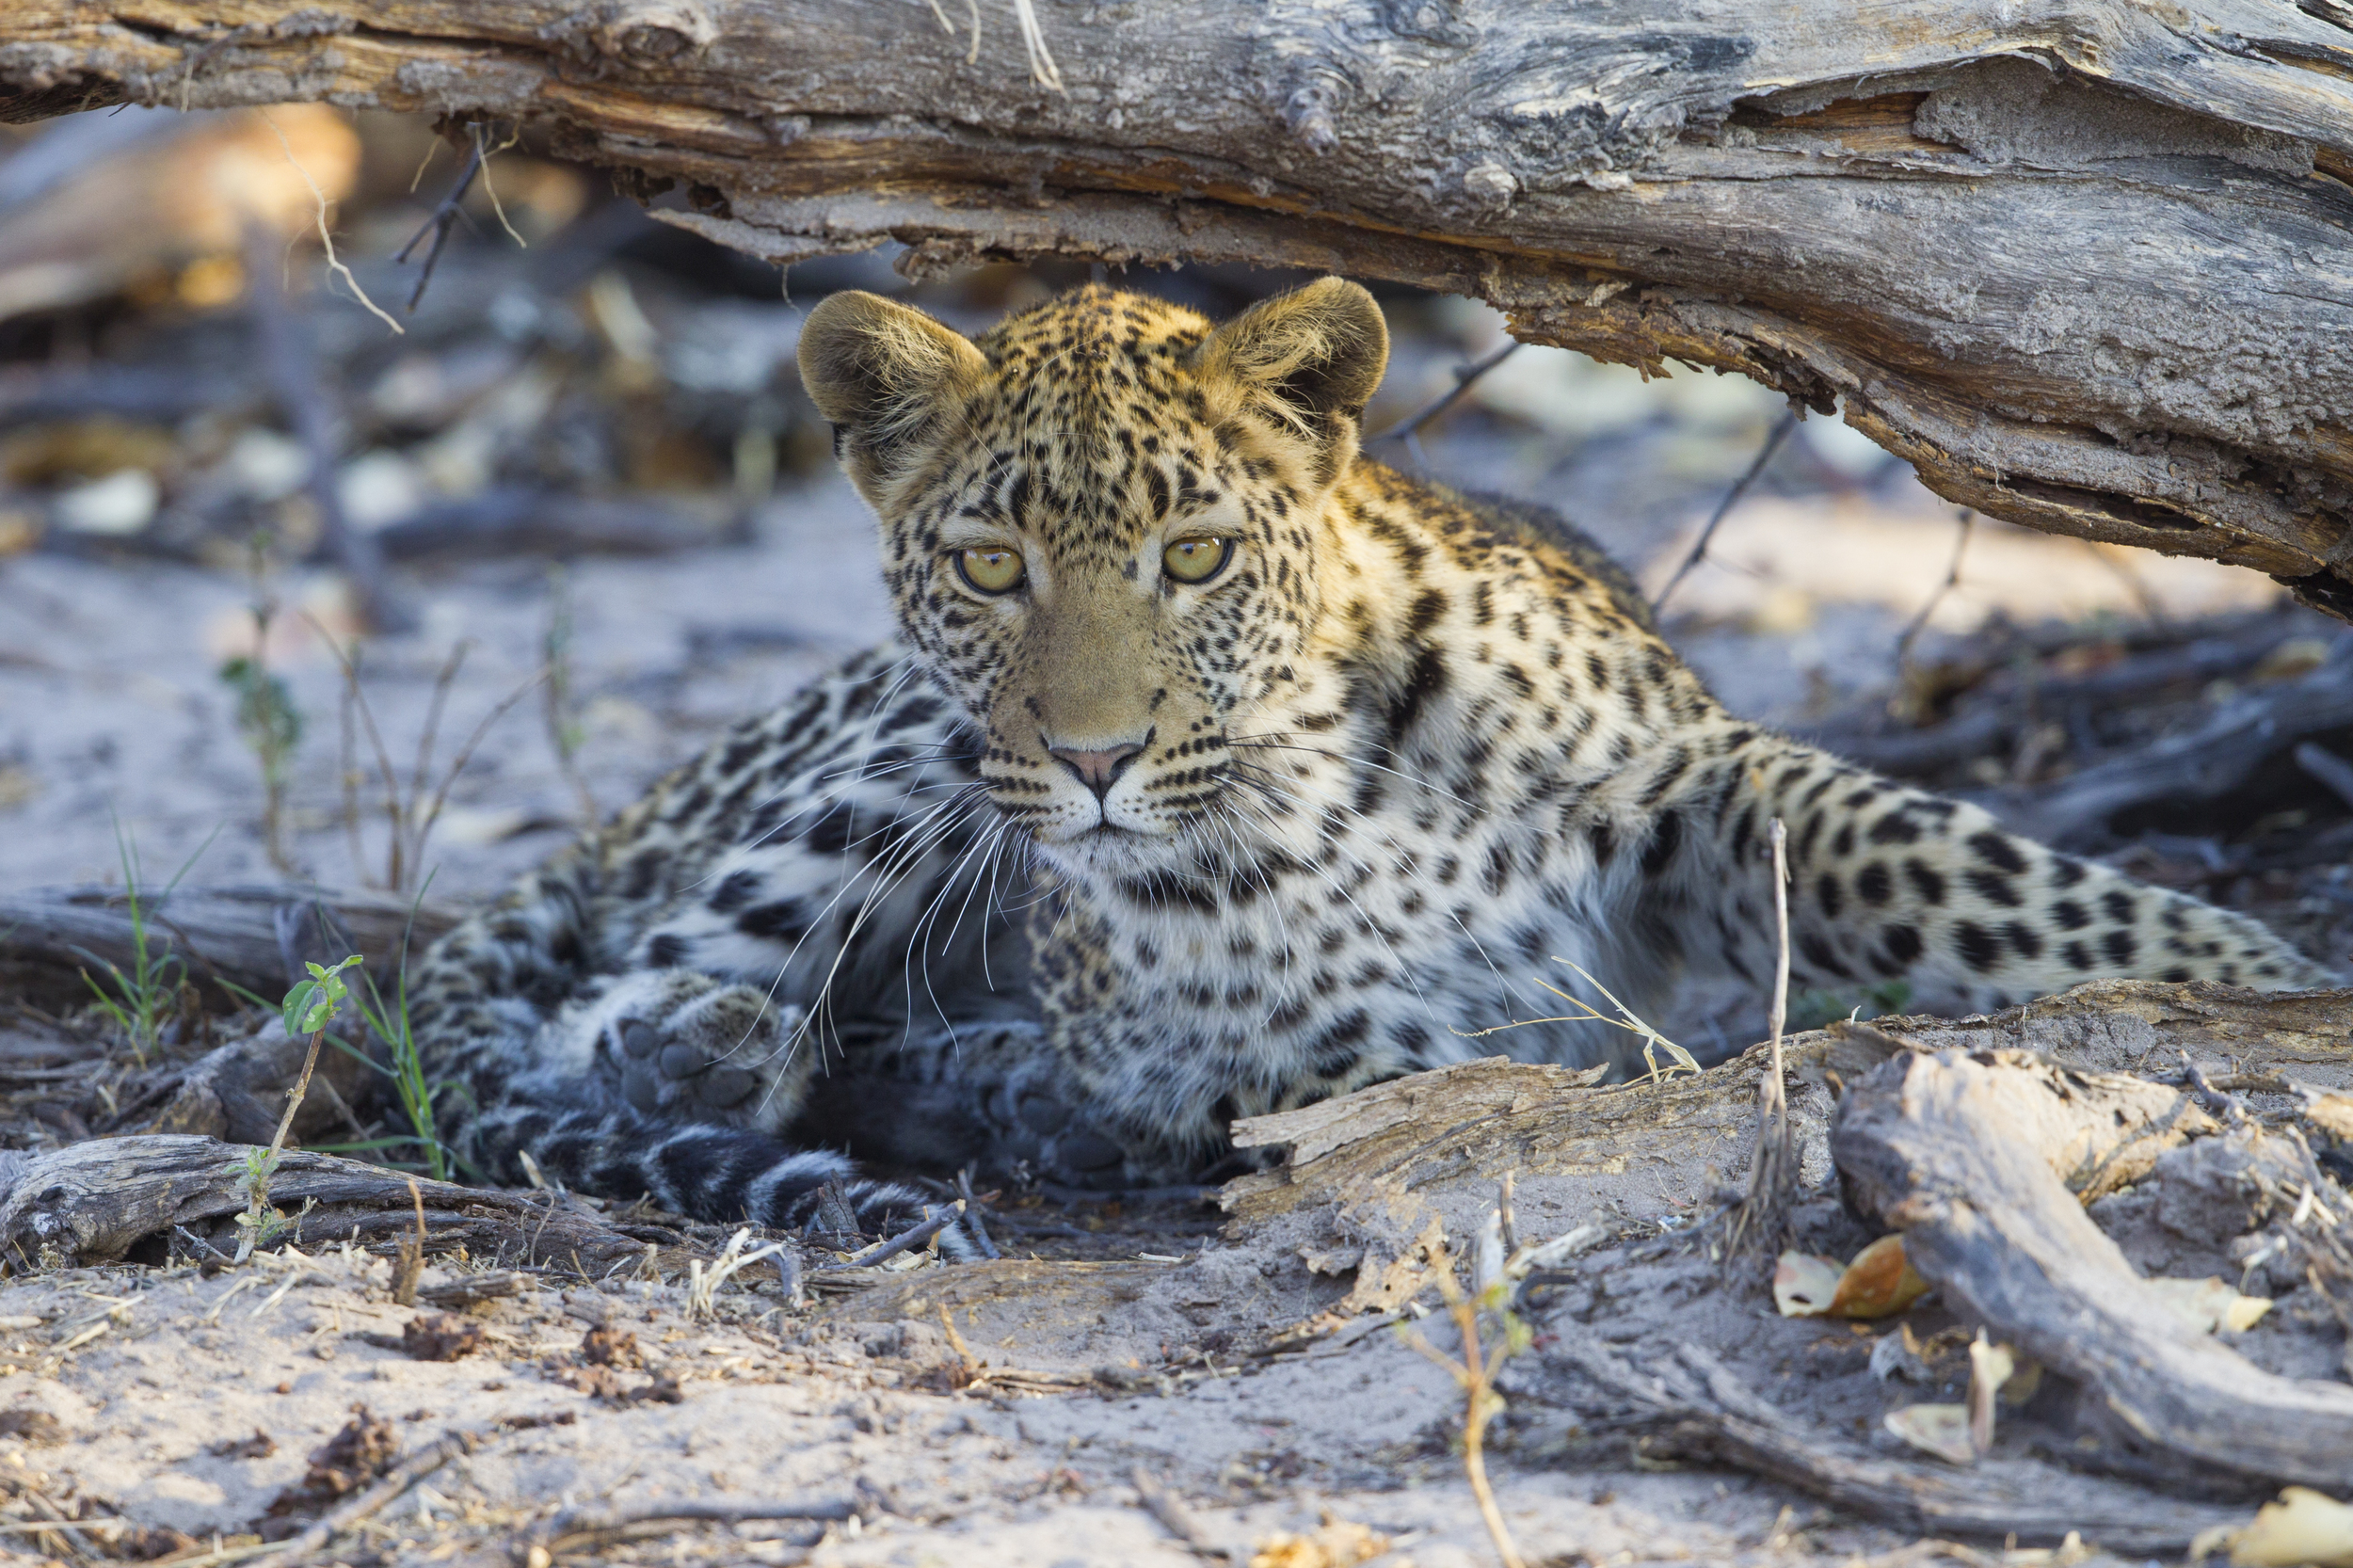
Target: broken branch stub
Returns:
[2084, 262]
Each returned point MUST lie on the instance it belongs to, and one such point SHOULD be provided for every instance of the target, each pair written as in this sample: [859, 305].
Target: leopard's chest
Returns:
[1291, 977]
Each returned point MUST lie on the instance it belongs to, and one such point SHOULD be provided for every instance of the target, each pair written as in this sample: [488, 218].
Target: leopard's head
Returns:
[1100, 526]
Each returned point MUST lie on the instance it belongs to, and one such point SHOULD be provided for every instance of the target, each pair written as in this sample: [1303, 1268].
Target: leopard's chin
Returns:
[1108, 850]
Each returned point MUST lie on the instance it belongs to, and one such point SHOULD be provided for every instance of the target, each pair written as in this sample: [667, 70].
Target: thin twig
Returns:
[576, 1528]
[1762, 1217]
[1952, 579]
[972, 1208]
[375, 1498]
[444, 217]
[1774, 439]
[913, 1236]
[291, 363]
[1465, 376]
[1475, 1373]
[1173, 1516]
[295, 1097]
[326, 239]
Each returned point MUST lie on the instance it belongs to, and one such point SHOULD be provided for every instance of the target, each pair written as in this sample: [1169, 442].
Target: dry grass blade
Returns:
[1762, 1218]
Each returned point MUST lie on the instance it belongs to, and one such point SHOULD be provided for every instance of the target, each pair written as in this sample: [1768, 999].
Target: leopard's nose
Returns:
[1098, 767]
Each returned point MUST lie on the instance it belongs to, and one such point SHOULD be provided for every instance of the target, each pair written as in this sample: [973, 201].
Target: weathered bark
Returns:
[225, 937]
[2085, 262]
[1704, 1412]
[96, 1202]
[1984, 1163]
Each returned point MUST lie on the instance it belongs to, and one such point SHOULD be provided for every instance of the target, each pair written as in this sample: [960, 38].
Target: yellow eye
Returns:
[1196, 560]
[992, 568]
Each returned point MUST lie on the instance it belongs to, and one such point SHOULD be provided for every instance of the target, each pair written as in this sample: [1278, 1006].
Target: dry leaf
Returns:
[2209, 1306]
[1879, 1282]
[1942, 1430]
[2332, 1114]
[1990, 1367]
[2303, 1527]
[1337, 1544]
[1806, 1284]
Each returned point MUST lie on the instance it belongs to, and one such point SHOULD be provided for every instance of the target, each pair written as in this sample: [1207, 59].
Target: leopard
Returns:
[1214, 769]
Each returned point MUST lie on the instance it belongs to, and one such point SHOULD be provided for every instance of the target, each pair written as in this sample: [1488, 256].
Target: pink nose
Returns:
[1097, 770]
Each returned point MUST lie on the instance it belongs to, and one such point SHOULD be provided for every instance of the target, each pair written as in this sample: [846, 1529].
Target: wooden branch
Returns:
[93, 1202]
[2255, 730]
[1985, 1163]
[1706, 1413]
[2082, 262]
[48, 936]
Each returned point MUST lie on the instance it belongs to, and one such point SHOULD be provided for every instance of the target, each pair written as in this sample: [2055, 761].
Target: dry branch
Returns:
[48, 936]
[95, 1202]
[1985, 1163]
[2082, 262]
[1706, 1413]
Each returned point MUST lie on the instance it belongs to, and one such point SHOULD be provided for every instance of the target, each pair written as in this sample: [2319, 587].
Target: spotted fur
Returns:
[1082, 870]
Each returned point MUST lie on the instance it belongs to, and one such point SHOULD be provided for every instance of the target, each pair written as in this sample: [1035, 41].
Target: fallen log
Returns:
[226, 936]
[112, 1199]
[1984, 1162]
[1826, 198]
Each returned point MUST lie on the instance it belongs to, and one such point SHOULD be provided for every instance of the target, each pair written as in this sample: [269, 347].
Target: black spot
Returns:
[2070, 915]
[1926, 880]
[783, 921]
[1826, 894]
[667, 951]
[2077, 956]
[1979, 948]
[2066, 871]
[738, 889]
[1873, 885]
[2178, 974]
[1998, 852]
[1664, 841]
[1818, 952]
[1335, 1051]
[2118, 904]
[1903, 946]
[1993, 888]
[2121, 947]
[645, 872]
[1605, 844]
[1427, 608]
[2025, 940]
[1895, 829]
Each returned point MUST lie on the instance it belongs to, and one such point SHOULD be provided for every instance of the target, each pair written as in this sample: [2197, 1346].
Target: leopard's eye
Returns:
[992, 568]
[1196, 560]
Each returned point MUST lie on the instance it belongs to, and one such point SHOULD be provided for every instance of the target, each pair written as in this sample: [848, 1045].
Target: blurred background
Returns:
[308, 570]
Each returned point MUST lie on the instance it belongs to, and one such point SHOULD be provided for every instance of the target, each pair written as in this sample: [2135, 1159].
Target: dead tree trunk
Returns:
[2085, 262]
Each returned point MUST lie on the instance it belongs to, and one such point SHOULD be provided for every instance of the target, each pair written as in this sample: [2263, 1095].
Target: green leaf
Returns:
[311, 1005]
[297, 1000]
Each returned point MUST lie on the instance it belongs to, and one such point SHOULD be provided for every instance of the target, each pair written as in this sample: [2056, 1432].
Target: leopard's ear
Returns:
[1309, 361]
[885, 376]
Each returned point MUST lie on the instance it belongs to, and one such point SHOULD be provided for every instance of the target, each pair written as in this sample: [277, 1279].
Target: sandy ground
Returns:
[202, 1401]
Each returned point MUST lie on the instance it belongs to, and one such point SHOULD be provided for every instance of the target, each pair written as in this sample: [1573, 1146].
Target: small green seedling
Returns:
[308, 1008]
[143, 997]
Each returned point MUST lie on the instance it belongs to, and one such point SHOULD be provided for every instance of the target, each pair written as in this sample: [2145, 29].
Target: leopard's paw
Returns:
[695, 1048]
